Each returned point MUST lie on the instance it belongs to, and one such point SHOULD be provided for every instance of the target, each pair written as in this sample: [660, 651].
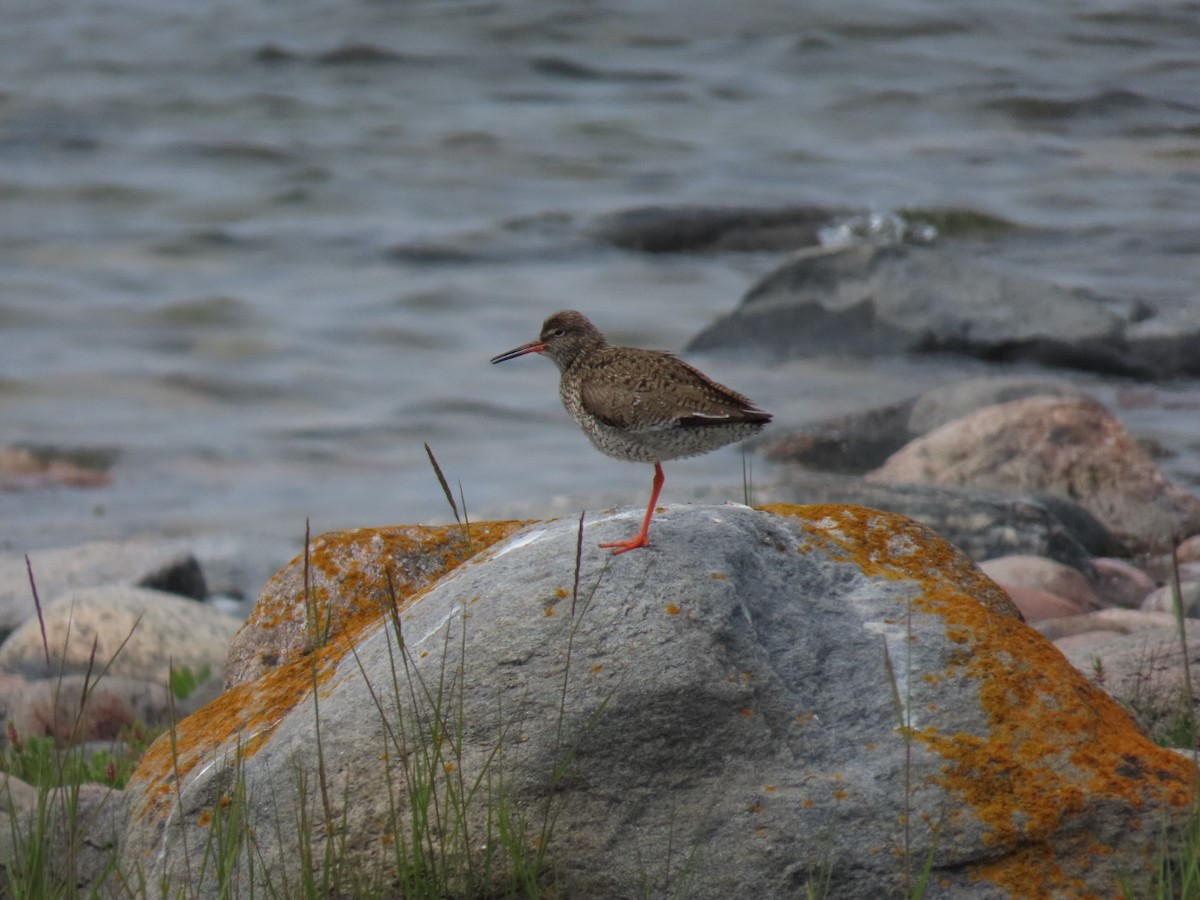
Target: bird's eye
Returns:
[559, 332]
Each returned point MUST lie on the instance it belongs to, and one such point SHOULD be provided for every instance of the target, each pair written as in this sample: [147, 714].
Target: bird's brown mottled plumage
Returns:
[640, 405]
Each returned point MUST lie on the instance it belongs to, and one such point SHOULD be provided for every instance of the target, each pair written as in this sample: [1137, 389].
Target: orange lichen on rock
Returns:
[353, 568]
[352, 576]
[888, 545]
[1054, 742]
[237, 722]
[1036, 872]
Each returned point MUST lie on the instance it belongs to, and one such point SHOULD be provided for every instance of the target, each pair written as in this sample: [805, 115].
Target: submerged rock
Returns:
[761, 703]
[696, 229]
[24, 468]
[723, 229]
[870, 299]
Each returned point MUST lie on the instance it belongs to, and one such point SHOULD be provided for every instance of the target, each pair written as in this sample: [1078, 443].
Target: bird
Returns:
[639, 405]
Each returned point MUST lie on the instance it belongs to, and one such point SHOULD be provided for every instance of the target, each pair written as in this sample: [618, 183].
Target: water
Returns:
[263, 251]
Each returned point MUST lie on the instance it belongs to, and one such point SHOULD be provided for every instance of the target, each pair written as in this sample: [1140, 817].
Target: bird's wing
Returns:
[661, 391]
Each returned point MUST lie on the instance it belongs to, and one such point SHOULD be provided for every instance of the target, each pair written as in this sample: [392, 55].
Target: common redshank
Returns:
[644, 406]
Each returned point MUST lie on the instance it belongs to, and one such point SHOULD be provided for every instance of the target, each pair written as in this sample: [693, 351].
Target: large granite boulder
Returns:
[760, 704]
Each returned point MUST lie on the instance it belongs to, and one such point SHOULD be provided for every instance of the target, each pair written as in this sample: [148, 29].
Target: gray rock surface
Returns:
[1162, 599]
[936, 407]
[1038, 604]
[128, 631]
[78, 708]
[357, 573]
[78, 828]
[1112, 621]
[1143, 668]
[859, 441]
[1120, 583]
[751, 707]
[1071, 448]
[1039, 572]
[163, 565]
[1188, 549]
[984, 524]
[892, 299]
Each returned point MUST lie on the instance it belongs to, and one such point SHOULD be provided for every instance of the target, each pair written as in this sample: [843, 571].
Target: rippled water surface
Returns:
[263, 251]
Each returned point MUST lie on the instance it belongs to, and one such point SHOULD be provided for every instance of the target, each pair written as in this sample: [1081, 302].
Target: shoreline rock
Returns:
[167, 566]
[1067, 447]
[733, 686]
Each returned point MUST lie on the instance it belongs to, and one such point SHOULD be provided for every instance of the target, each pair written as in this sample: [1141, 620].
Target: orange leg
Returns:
[640, 539]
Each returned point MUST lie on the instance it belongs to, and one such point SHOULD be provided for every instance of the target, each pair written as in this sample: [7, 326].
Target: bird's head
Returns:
[565, 335]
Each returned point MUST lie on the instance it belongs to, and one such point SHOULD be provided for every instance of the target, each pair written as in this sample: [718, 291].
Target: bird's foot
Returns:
[639, 540]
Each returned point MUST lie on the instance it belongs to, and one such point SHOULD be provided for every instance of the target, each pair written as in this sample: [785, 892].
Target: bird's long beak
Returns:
[531, 347]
